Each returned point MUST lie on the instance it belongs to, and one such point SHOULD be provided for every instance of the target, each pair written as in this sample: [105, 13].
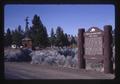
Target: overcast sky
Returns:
[69, 17]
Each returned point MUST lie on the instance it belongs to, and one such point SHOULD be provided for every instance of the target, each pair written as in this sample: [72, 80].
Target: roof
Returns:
[26, 38]
[94, 29]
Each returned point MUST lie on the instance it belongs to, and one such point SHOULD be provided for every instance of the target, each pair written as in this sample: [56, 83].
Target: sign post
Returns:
[81, 59]
[108, 65]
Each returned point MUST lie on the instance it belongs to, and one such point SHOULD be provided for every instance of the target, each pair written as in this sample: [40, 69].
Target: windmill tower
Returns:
[27, 42]
[26, 27]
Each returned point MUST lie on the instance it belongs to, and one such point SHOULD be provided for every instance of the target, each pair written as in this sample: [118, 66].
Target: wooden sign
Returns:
[93, 43]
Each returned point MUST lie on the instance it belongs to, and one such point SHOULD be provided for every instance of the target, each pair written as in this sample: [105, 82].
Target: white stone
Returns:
[13, 46]
[92, 30]
[21, 46]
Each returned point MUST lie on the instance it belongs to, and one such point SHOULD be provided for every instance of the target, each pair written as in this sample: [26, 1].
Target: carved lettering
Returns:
[93, 45]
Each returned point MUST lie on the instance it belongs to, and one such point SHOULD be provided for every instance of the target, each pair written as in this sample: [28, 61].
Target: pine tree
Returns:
[66, 42]
[59, 32]
[17, 36]
[45, 37]
[61, 39]
[8, 38]
[52, 39]
[39, 33]
[73, 41]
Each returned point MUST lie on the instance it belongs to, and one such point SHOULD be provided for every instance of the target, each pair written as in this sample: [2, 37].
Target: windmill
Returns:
[26, 41]
[26, 28]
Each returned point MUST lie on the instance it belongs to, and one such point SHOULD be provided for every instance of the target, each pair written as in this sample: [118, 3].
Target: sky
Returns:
[69, 17]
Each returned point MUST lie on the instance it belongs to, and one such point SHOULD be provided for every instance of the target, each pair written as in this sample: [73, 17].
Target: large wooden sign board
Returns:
[95, 50]
[93, 43]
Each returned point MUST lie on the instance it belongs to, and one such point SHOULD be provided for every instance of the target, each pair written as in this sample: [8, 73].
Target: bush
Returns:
[18, 55]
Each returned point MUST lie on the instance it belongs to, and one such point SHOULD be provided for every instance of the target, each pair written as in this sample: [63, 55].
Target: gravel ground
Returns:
[24, 70]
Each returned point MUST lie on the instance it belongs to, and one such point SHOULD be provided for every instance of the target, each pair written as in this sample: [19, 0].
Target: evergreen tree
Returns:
[39, 33]
[31, 32]
[8, 38]
[73, 41]
[66, 42]
[14, 37]
[52, 39]
[17, 36]
[61, 38]
[45, 38]
[59, 35]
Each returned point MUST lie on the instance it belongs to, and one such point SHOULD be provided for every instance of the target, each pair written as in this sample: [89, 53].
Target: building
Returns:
[27, 42]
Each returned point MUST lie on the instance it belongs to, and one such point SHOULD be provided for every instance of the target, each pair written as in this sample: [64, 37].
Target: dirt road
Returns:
[15, 70]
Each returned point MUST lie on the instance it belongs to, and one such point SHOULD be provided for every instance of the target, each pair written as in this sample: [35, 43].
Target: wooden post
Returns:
[108, 64]
[81, 59]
